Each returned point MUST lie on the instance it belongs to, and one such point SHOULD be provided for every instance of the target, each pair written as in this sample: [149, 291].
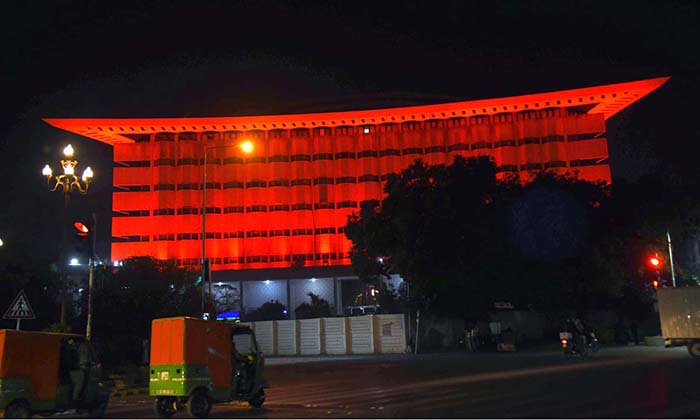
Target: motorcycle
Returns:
[580, 344]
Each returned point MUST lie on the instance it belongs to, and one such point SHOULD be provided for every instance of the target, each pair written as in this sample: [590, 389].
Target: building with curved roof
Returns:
[279, 213]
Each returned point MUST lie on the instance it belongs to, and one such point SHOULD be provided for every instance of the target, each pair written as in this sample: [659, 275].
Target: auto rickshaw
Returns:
[46, 373]
[196, 363]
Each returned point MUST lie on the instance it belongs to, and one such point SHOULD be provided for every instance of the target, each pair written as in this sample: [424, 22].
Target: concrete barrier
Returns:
[389, 333]
[361, 334]
[287, 337]
[265, 334]
[311, 340]
[336, 335]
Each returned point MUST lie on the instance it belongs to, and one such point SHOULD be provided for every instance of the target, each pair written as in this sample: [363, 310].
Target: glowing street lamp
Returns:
[246, 147]
[67, 182]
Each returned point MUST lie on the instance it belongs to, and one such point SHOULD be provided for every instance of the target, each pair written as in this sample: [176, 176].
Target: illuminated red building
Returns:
[288, 200]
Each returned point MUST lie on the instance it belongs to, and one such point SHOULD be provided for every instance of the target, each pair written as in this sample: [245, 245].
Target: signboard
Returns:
[20, 308]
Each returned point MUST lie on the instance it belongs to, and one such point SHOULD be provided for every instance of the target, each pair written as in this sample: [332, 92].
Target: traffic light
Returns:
[81, 230]
[207, 274]
[655, 262]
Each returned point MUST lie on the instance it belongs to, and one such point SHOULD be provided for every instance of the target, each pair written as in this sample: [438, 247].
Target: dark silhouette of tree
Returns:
[317, 308]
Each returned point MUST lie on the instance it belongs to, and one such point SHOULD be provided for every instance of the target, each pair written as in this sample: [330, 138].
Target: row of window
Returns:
[259, 208]
[446, 121]
[265, 258]
[333, 181]
[363, 154]
[231, 235]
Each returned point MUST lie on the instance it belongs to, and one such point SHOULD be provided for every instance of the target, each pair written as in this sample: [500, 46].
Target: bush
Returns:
[318, 308]
[269, 311]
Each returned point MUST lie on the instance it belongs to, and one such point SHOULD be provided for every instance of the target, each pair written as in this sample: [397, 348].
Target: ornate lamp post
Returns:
[246, 147]
[67, 182]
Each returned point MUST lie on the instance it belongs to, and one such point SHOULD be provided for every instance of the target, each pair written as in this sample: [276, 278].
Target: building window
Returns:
[589, 162]
[346, 204]
[323, 156]
[164, 212]
[413, 151]
[302, 206]
[278, 158]
[531, 166]
[165, 137]
[257, 259]
[457, 147]
[276, 134]
[181, 187]
[584, 136]
[504, 143]
[232, 160]
[256, 234]
[213, 210]
[481, 145]
[131, 238]
[507, 168]
[390, 152]
[323, 181]
[130, 213]
[132, 163]
[300, 132]
[556, 138]
[279, 207]
[278, 183]
[233, 209]
[233, 184]
[345, 155]
[192, 161]
[213, 235]
[131, 188]
[324, 206]
[529, 140]
[367, 153]
[279, 232]
[434, 149]
[343, 131]
[369, 178]
[257, 159]
[256, 183]
[164, 187]
[187, 236]
[213, 185]
[187, 210]
[164, 162]
[555, 164]
[296, 182]
[164, 237]
[189, 136]
[301, 232]
[346, 180]
[370, 203]
[297, 158]
[231, 235]
[258, 208]
[325, 231]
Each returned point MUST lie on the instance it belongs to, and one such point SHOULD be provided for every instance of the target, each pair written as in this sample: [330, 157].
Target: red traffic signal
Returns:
[81, 229]
[654, 262]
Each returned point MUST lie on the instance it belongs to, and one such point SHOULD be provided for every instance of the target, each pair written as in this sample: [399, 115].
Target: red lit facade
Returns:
[290, 198]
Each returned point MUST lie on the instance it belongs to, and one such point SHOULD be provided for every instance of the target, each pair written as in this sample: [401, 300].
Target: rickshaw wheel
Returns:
[164, 407]
[198, 405]
[18, 410]
[258, 400]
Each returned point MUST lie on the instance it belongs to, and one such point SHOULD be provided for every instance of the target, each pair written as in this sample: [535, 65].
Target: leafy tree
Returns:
[269, 311]
[317, 308]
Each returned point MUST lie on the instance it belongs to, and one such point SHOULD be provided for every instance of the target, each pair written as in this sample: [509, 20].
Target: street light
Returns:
[246, 147]
[67, 182]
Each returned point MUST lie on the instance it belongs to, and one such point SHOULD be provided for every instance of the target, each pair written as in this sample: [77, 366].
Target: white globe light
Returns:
[68, 151]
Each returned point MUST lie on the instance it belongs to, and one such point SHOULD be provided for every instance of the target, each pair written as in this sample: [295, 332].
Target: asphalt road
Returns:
[624, 382]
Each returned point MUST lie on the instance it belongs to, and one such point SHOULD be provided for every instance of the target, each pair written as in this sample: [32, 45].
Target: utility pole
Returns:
[670, 258]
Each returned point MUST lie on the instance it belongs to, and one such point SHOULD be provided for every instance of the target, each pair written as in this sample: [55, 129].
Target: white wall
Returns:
[287, 342]
[361, 334]
[265, 334]
[390, 333]
[310, 336]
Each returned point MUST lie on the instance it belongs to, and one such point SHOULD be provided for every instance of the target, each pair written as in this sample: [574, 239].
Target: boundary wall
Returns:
[340, 335]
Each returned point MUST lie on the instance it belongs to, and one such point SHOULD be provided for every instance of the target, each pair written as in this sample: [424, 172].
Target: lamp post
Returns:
[67, 182]
[247, 148]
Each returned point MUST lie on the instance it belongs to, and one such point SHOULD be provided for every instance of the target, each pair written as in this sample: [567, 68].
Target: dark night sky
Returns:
[178, 59]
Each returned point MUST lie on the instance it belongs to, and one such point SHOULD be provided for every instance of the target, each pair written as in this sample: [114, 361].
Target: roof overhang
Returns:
[606, 99]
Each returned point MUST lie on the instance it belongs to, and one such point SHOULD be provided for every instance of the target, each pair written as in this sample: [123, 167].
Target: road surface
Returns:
[623, 382]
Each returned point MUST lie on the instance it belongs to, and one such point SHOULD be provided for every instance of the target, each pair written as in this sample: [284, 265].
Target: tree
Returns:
[269, 311]
[317, 308]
